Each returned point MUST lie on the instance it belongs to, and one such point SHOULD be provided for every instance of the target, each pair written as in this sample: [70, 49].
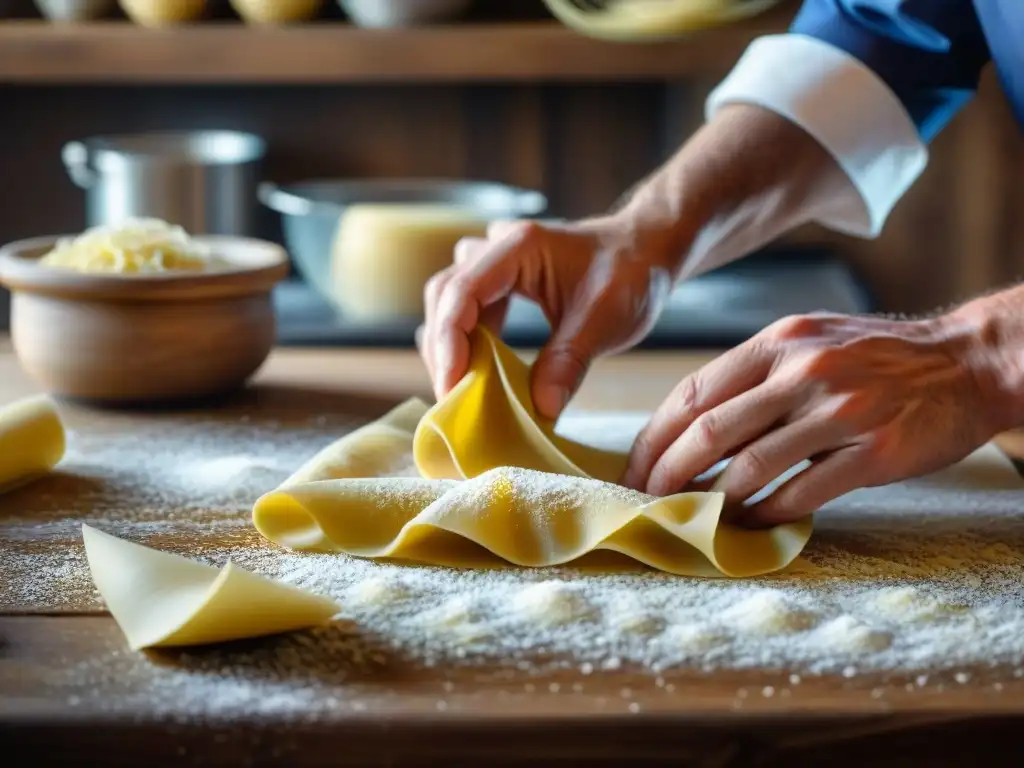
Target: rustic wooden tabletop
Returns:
[71, 691]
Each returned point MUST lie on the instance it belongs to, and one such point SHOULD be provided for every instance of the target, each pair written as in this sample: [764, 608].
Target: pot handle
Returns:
[76, 161]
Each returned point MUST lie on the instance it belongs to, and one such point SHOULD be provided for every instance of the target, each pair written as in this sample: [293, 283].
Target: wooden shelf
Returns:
[321, 53]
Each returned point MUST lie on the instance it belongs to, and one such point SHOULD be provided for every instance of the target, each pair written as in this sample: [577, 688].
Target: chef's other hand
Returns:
[600, 285]
[868, 401]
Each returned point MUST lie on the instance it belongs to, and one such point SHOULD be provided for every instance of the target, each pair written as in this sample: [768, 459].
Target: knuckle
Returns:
[687, 394]
[876, 447]
[520, 230]
[817, 365]
[750, 467]
[704, 431]
[435, 285]
[467, 250]
[795, 327]
[454, 304]
[664, 479]
[850, 409]
[569, 359]
[643, 444]
[458, 289]
[527, 230]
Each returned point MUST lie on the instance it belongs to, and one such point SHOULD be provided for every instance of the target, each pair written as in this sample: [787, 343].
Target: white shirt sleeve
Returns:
[847, 108]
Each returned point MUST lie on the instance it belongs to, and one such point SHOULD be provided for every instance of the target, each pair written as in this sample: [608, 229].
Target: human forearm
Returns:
[832, 142]
[745, 178]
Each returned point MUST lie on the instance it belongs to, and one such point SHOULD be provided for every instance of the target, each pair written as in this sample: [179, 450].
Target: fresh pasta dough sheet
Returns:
[161, 599]
[499, 485]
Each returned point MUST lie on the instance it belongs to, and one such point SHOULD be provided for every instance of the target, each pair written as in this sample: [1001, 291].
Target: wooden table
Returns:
[682, 719]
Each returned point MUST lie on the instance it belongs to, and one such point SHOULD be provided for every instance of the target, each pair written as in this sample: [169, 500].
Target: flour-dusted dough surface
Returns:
[500, 486]
[522, 517]
[32, 441]
[162, 599]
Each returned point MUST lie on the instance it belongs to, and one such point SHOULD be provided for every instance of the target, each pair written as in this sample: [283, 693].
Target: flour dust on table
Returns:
[915, 577]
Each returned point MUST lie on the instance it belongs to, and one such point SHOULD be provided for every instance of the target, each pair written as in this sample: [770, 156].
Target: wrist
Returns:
[988, 337]
[744, 179]
[653, 229]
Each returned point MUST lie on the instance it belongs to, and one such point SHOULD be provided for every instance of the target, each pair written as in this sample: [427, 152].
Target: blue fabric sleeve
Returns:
[929, 52]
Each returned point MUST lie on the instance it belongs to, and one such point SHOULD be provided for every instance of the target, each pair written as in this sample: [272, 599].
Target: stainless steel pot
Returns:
[204, 181]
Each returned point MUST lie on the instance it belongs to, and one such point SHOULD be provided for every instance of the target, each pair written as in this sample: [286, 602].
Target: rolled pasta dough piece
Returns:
[32, 441]
[162, 599]
[488, 420]
[522, 517]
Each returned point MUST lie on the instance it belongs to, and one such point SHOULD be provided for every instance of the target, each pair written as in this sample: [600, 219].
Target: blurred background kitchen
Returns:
[267, 117]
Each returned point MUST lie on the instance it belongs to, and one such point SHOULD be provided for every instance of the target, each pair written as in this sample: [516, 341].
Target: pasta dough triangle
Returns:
[32, 441]
[488, 420]
[162, 599]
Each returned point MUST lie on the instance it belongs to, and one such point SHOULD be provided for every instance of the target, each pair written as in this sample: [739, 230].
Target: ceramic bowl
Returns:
[276, 11]
[159, 13]
[143, 338]
[75, 10]
[401, 13]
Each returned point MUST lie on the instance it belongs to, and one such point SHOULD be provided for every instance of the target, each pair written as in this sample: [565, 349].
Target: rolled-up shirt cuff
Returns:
[847, 108]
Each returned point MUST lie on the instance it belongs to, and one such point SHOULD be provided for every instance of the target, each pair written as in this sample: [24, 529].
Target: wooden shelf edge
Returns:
[323, 53]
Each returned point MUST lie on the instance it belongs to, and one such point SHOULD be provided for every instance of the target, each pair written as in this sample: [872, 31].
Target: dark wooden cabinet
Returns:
[523, 102]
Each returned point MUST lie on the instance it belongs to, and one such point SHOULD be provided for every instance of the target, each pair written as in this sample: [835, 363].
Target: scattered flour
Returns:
[916, 578]
[551, 603]
[693, 640]
[236, 475]
[377, 592]
[624, 616]
[767, 612]
[847, 633]
[456, 612]
[899, 603]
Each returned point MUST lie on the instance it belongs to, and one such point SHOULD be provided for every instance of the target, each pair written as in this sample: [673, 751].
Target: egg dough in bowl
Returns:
[141, 312]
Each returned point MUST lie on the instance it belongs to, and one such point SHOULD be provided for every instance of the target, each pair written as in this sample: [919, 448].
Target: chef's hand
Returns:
[600, 283]
[868, 401]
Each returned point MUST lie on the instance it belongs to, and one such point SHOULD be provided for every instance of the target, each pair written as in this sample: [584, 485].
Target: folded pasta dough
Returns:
[488, 420]
[32, 441]
[377, 449]
[523, 517]
[499, 485]
[162, 599]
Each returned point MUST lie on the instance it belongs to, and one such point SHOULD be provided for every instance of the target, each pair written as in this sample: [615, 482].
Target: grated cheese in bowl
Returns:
[134, 246]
